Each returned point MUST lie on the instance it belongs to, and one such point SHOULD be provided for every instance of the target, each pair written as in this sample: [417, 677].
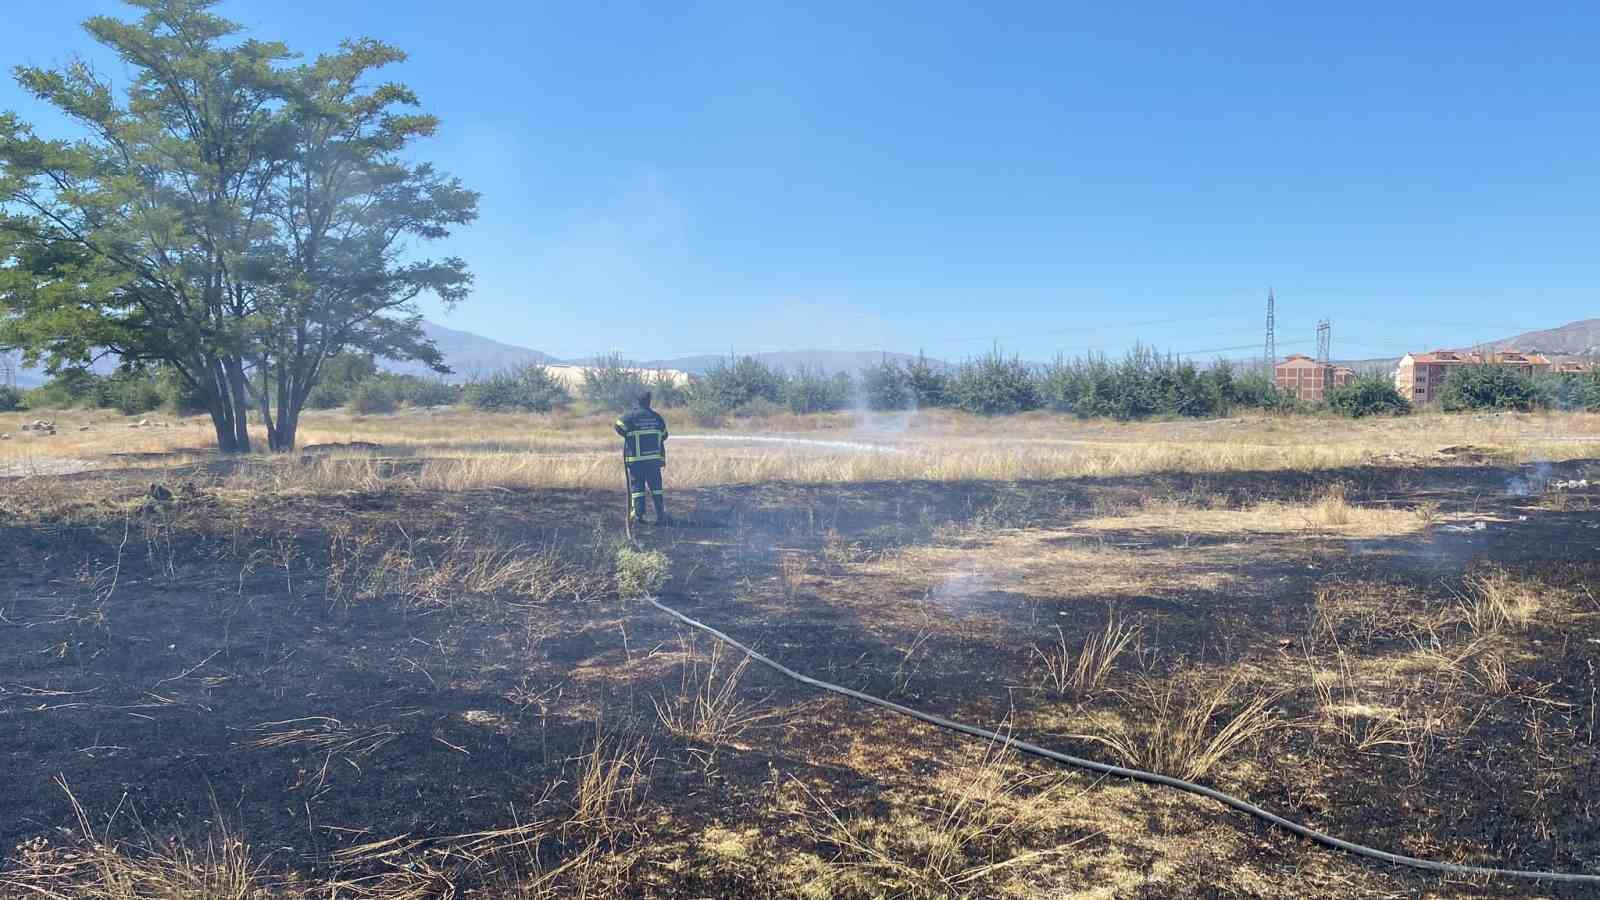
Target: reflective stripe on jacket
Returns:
[644, 435]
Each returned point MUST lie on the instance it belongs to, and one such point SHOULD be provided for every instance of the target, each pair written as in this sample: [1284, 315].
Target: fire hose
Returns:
[1310, 834]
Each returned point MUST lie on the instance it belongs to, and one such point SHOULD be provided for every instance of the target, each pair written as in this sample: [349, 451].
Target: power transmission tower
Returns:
[1271, 350]
[8, 369]
[1324, 339]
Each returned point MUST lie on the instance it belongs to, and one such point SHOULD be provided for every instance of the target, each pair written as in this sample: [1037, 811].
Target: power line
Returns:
[1268, 347]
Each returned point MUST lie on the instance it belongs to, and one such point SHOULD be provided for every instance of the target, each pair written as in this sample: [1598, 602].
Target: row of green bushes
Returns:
[1473, 388]
[1503, 387]
[1143, 384]
[130, 392]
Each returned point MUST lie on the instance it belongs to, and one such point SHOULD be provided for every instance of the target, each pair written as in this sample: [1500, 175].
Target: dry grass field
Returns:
[421, 670]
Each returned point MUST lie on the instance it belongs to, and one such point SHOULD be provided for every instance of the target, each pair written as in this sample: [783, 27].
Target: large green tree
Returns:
[234, 213]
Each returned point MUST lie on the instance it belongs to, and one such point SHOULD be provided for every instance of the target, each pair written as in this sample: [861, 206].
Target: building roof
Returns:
[1462, 358]
[1299, 359]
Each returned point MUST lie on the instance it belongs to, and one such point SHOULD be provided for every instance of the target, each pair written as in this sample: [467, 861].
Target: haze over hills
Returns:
[827, 361]
[1580, 337]
[470, 355]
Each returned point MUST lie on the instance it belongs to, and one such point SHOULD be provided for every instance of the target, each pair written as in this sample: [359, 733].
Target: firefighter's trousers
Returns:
[645, 477]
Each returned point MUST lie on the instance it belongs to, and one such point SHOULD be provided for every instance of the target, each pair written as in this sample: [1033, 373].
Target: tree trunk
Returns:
[288, 424]
[219, 404]
[240, 404]
[219, 420]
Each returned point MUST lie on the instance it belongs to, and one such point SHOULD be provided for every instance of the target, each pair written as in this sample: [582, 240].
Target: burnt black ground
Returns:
[147, 704]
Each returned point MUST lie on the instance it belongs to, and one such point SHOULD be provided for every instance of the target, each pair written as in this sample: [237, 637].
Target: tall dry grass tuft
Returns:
[612, 781]
[1332, 508]
[975, 827]
[1497, 601]
[707, 707]
[442, 571]
[792, 570]
[1086, 671]
[96, 867]
[1342, 714]
[1187, 728]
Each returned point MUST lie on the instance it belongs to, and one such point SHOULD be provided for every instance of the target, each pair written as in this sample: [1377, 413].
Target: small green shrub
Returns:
[1572, 390]
[995, 385]
[338, 377]
[135, 394]
[373, 398]
[729, 386]
[610, 383]
[64, 390]
[811, 390]
[1489, 387]
[1369, 395]
[705, 408]
[10, 399]
[759, 408]
[640, 573]
[670, 391]
[1253, 390]
[530, 389]
[929, 387]
[178, 395]
[884, 387]
[416, 391]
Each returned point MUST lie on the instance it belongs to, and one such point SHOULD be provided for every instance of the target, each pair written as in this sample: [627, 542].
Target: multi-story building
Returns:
[1307, 379]
[1571, 366]
[1421, 375]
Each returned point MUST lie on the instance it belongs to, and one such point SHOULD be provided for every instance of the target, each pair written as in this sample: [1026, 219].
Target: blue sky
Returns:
[676, 178]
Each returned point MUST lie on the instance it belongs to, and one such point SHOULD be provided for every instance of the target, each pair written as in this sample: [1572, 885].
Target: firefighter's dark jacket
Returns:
[644, 435]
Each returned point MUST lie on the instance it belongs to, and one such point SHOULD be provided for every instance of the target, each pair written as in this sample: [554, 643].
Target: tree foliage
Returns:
[532, 388]
[231, 214]
[808, 390]
[1368, 395]
[1571, 390]
[611, 383]
[341, 374]
[885, 387]
[729, 385]
[1474, 387]
[928, 385]
[994, 384]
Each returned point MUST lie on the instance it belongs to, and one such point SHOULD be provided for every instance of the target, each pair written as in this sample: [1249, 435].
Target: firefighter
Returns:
[644, 452]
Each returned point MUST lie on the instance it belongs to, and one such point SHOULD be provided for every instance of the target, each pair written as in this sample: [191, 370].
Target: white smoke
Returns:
[853, 446]
[964, 593]
[869, 421]
[1532, 482]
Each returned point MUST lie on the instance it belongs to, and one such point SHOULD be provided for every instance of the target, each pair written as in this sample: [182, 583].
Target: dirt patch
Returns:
[43, 466]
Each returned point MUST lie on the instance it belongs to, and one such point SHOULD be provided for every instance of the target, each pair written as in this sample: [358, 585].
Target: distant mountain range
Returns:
[826, 361]
[470, 355]
[1575, 338]
[1580, 338]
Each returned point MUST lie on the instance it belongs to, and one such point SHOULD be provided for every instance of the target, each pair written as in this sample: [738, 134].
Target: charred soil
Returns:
[322, 672]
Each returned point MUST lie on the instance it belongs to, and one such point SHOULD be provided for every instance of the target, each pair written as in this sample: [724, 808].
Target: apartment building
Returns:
[1307, 379]
[1421, 375]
